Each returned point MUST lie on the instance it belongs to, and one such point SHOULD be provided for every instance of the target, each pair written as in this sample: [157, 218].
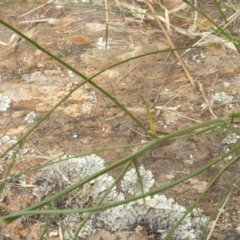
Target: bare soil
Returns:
[88, 120]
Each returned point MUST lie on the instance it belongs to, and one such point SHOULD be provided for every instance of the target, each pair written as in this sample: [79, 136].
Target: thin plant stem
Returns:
[120, 175]
[210, 184]
[31, 209]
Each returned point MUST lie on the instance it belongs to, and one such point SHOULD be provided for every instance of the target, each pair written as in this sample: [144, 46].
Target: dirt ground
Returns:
[88, 120]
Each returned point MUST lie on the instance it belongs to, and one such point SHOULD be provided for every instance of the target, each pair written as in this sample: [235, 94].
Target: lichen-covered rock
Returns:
[159, 215]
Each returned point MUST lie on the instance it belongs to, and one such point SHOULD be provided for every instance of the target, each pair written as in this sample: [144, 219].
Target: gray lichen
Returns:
[223, 97]
[131, 184]
[160, 213]
[231, 138]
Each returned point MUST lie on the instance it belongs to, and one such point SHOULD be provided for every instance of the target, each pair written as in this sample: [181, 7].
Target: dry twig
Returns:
[214, 223]
[172, 46]
[209, 103]
[106, 7]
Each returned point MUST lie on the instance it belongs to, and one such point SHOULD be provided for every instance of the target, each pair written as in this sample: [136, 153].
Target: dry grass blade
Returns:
[190, 78]
[14, 39]
[214, 223]
[60, 233]
[136, 11]
[209, 103]
[106, 7]
[49, 20]
[35, 9]
[173, 110]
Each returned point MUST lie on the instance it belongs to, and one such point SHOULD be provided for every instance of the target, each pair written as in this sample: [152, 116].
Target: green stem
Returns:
[103, 197]
[30, 210]
[210, 184]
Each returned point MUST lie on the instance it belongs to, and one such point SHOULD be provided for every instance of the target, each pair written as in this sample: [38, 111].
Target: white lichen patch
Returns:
[87, 109]
[232, 138]
[164, 214]
[158, 213]
[5, 139]
[226, 84]
[30, 118]
[4, 102]
[92, 96]
[59, 176]
[131, 182]
[226, 150]
[101, 44]
[5, 143]
[223, 97]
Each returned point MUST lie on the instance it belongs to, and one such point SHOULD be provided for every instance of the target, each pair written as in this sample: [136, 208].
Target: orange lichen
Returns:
[76, 39]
